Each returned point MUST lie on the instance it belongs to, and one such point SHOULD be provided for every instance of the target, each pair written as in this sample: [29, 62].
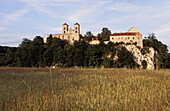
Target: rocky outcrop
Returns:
[148, 57]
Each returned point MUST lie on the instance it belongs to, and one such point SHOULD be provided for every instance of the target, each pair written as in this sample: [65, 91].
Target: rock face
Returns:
[148, 57]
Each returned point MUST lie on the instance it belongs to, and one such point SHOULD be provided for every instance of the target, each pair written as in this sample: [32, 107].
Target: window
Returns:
[64, 28]
[122, 38]
[76, 27]
[76, 31]
[112, 38]
[128, 37]
[64, 32]
[133, 38]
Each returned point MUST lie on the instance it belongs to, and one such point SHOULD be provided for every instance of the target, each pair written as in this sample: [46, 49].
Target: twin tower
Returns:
[70, 34]
[67, 34]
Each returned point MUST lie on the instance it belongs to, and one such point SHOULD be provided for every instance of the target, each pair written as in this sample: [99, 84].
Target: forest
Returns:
[57, 52]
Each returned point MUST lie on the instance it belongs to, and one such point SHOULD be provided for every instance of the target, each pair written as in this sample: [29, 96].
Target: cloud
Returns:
[88, 13]
[125, 7]
[2, 28]
[7, 18]
[162, 33]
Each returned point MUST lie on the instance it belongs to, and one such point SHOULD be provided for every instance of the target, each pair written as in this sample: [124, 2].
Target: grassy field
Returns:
[84, 89]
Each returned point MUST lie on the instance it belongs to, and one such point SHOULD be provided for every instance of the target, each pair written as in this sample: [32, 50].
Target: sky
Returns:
[29, 18]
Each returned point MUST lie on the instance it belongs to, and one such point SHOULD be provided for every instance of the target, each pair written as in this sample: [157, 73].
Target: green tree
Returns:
[94, 56]
[61, 57]
[37, 51]
[24, 55]
[104, 35]
[144, 64]
[167, 60]
[89, 36]
[80, 53]
[48, 57]
[107, 62]
[70, 50]
[49, 40]
[151, 41]
[125, 58]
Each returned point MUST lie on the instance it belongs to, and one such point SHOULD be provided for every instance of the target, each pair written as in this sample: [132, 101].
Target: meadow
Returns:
[42, 89]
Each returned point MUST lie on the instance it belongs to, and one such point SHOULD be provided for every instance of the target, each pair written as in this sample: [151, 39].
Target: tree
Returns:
[167, 60]
[48, 57]
[61, 57]
[9, 57]
[89, 36]
[49, 40]
[107, 62]
[126, 59]
[24, 55]
[80, 52]
[94, 55]
[110, 49]
[70, 50]
[151, 41]
[144, 64]
[104, 35]
[37, 51]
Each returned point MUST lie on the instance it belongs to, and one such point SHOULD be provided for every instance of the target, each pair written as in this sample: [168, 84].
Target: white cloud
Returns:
[162, 33]
[88, 14]
[7, 18]
[125, 7]
[2, 28]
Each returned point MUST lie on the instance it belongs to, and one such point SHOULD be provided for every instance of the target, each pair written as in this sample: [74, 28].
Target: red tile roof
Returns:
[126, 33]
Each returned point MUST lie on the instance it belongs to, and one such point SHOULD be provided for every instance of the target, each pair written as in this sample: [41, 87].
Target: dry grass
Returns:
[83, 89]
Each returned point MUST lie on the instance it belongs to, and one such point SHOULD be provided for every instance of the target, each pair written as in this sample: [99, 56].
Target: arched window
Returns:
[64, 32]
[76, 31]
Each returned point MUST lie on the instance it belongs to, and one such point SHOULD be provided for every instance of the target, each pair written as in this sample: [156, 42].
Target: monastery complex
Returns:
[133, 36]
[68, 34]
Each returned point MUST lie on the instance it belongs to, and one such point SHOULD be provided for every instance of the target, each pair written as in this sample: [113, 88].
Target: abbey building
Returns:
[71, 35]
[67, 33]
[131, 38]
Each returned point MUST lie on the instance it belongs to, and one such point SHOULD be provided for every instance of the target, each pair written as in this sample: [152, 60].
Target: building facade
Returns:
[67, 34]
[132, 36]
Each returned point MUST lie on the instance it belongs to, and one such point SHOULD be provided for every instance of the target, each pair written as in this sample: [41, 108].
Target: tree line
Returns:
[57, 52]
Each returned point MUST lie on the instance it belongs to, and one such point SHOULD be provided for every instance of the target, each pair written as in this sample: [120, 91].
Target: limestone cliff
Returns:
[148, 57]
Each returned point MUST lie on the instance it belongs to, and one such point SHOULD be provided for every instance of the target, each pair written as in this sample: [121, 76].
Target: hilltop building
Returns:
[132, 36]
[67, 34]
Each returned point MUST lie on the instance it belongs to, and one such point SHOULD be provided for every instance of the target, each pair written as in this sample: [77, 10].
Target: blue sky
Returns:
[28, 18]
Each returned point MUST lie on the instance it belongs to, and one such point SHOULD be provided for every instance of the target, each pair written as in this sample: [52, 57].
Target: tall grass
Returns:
[85, 89]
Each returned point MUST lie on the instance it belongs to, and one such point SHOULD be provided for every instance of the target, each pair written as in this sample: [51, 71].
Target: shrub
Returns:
[107, 63]
[144, 64]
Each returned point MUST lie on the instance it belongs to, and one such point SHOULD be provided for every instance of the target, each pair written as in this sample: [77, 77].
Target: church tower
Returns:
[77, 31]
[64, 28]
